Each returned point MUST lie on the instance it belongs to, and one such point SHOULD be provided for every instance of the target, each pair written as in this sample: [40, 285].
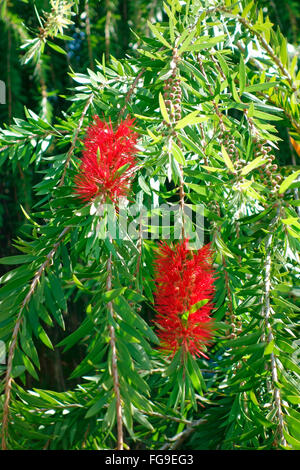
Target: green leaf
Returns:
[244, 340]
[261, 86]
[17, 371]
[291, 440]
[266, 116]
[108, 296]
[205, 43]
[252, 165]
[194, 372]
[121, 170]
[289, 364]
[158, 35]
[226, 159]
[294, 399]
[234, 92]
[223, 64]
[247, 9]
[190, 144]
[194, 308]
[284, 51]
[138, 416]
[223, 247]
[56, 47]
[294, 425]
[45, 338]
[84, 329]
[186, 42]
[288, 181]
[163, 109]
[18, 259]
[177, 153]
[197, 188]
[213, 169]
[269, 348]
[110, 416]
[29, 367]
[57, 291]
[242, 74]
[190, 119]
[97, 406]
[16, 285]
[253, 397]
[144, 186]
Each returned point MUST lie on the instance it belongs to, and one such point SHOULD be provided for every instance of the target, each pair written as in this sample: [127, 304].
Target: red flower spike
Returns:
[184, 289]
[108, 160]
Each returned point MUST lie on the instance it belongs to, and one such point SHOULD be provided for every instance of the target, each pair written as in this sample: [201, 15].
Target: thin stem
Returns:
[270, 337]
[115, 373]
[8, 377]
[231, 313]
[130, 92]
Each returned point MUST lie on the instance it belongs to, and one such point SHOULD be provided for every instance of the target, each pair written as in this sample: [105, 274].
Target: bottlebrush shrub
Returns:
[208, 115]
[184, 289]
[107, 153]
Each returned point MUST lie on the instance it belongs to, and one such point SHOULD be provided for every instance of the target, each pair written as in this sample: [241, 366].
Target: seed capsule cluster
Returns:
[268, 171]
[172, 92]
[235, 326]
[228, 141]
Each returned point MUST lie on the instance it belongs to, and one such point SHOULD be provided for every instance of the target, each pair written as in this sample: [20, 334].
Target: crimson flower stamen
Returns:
[108, 161]
[183, 298]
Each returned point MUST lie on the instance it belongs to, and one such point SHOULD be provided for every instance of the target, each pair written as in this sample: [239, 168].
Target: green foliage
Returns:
[239, 99]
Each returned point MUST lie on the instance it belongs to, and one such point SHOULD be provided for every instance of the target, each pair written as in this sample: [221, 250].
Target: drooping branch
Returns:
[44, 93]
[130, 92]
[11, 352]
[211, 92]
[270, 337]
[115, 373]
[269, 51]
[264, 44]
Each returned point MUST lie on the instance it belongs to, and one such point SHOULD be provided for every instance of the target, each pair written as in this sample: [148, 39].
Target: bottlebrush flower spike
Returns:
[184, 289]
[108, 160]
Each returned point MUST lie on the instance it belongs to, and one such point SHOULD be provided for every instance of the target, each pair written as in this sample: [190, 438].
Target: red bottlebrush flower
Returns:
[106, 152]
[184, 290]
